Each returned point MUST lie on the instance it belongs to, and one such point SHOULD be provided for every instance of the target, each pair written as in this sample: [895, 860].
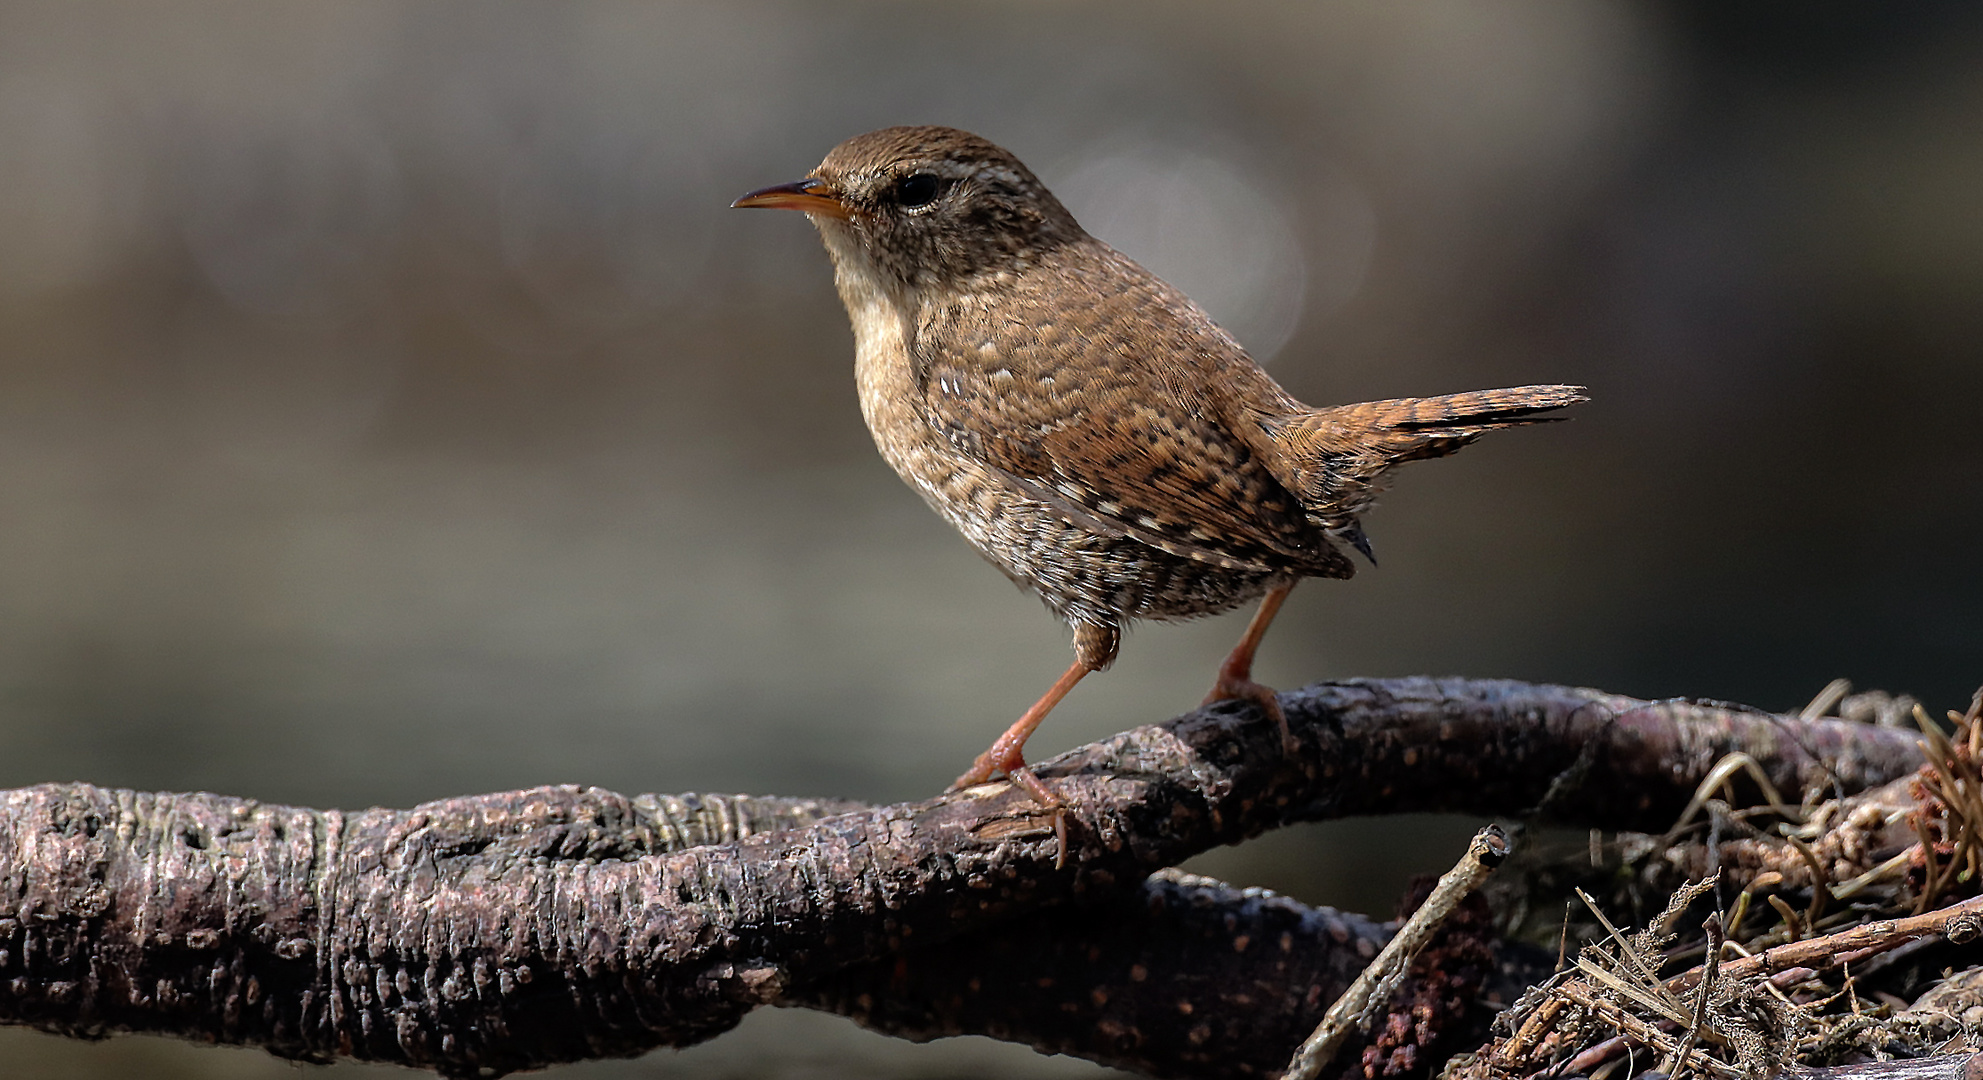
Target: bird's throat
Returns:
[883, 313]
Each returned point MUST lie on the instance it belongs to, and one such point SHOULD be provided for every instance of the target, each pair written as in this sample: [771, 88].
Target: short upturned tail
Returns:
[1334, 459]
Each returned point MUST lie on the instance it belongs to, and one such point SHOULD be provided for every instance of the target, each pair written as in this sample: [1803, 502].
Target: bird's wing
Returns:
[1064, 399]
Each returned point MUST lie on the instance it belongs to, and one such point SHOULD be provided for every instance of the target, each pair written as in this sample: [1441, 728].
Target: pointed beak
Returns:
[811, 196]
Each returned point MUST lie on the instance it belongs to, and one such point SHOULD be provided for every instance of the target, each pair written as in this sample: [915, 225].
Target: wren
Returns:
[1086, 426]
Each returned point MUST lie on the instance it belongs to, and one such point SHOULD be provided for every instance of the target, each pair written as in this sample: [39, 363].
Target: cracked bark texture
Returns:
[480, 935]
[1184, 976]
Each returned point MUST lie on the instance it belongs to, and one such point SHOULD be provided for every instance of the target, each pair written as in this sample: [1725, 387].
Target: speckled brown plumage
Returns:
[1084, 425]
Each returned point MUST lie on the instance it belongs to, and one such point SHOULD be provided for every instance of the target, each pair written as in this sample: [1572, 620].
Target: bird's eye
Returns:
[917, 191]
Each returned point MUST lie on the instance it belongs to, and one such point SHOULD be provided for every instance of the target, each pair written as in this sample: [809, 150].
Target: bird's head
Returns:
[925, 206]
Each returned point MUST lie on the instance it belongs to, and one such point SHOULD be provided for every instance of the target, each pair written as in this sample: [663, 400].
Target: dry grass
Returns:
[1828, 883]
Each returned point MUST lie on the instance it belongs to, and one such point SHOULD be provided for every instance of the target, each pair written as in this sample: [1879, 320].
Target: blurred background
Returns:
[390, 408]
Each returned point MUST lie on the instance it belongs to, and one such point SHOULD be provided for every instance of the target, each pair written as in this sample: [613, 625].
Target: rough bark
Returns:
[499, 932]
[1183, 976]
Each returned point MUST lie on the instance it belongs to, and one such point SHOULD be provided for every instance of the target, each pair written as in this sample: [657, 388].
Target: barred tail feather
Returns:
[1334, 459]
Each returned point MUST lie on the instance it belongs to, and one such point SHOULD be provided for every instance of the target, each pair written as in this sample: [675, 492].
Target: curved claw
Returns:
[981, 772]
[1014, 767]
[1231, 688]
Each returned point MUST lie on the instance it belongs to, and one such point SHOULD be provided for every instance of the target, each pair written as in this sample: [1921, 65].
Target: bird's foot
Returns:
[992, 762]
[1008, 756]
[1231, 687]
[981, 772]
[1023, 776]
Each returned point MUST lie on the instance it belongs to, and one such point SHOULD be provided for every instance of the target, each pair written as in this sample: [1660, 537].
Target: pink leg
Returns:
[1236, 674]
[1005, 755]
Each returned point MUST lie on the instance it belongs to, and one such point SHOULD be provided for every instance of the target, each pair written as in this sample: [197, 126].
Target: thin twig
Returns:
[1715, 937]
[1961, 923]
[1635, 1029]
[1820, 881]
[1359, 1004]
[1720, 776]
[1594, 1056]
[1827, 700]
[1626, 952]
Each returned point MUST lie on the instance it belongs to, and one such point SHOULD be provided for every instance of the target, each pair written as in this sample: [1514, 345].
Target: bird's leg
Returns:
[1236, 674]
[1005, 755]
[1095, 646]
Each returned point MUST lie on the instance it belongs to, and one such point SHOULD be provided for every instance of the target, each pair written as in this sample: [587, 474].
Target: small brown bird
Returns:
[1084, 425]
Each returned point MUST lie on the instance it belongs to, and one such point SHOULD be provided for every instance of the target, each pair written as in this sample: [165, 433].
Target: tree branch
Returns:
[498, 932]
